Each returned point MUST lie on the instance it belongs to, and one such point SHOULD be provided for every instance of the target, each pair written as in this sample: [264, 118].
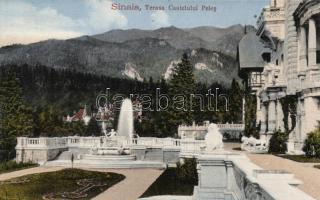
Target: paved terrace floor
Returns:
[132, 187]
[305, 172]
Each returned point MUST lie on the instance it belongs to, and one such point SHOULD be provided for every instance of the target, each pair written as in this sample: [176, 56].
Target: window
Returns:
[266, 57]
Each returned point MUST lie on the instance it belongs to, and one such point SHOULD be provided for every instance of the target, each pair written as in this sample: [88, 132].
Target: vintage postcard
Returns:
[159, 99]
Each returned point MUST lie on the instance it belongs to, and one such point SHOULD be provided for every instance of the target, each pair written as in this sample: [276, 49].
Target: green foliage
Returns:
[182, 83]
[169, 184]
[48, 123]
[277, 143]
[56, 182]
[312, 144]
[93, 128]
[235, 103]
[175, 181]
[11, 165]
[54, 94]
[250, 116]
[16, 116]
[187, 172]
[289, 106]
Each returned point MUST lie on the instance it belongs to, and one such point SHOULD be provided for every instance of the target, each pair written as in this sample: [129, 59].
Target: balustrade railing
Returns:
[89, 142]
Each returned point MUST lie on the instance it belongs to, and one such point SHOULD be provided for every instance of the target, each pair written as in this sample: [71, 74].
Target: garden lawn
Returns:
[33, 187]
[169, 184]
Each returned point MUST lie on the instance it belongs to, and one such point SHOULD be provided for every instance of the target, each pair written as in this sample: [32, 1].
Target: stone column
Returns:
[280, 116]
[302, 49]
[258, 109]
[271, 116]
[312, 43]
[263, 119]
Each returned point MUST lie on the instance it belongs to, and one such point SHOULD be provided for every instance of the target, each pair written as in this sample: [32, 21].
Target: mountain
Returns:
[200, 37]
[137, 54]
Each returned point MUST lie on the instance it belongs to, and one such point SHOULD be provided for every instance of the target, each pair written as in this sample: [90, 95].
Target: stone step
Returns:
[102, 165]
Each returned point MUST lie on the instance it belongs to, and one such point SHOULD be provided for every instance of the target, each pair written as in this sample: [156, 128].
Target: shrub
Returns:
[312, 144]
[278, 142]
[187, 172]
[12, 165]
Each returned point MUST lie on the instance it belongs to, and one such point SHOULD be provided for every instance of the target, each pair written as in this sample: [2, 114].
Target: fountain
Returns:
[114, 146]
[114, 142]
[125, 123]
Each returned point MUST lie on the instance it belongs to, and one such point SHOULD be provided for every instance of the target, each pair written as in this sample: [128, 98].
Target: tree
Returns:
[48, 122]
[235, 103]
[16, 115]
[278, 142]
[182, 84]
[250, 116]
[312, 144]
[93, 128]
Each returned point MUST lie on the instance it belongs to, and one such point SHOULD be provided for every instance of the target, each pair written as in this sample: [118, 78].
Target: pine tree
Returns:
[181, 83]
[93, 128]
[235, 103]
[16, 115]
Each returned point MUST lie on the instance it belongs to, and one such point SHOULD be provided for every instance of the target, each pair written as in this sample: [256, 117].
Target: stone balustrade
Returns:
[42, 142]
[220, 126]
[89, 142]
[233, 176]
[270, 14]
[43, 149]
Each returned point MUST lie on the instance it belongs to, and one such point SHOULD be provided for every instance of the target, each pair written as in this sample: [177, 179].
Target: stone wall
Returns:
[37, 155]
[228, 176]
[291, 47]
[166, 155]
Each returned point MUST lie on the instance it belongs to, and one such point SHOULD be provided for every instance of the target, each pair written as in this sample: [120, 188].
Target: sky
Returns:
[28, 21]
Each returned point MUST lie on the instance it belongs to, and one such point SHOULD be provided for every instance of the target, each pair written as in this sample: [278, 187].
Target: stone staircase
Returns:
[84, 160]
[104, 165]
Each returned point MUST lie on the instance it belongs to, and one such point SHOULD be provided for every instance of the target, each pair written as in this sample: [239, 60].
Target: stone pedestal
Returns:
[216, 178]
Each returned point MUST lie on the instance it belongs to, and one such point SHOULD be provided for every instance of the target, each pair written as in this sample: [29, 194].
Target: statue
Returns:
[252, 144]
[112, 133]
[213, 138]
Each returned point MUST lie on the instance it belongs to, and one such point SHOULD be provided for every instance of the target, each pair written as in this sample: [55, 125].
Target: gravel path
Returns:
[133, 186]
[308, 175]
[34, 170]
[305, 172]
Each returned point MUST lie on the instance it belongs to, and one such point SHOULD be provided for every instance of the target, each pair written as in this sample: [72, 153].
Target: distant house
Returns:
[81, 115]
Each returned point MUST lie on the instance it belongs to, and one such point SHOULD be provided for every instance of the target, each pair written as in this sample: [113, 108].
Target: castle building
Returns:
[280, 65]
